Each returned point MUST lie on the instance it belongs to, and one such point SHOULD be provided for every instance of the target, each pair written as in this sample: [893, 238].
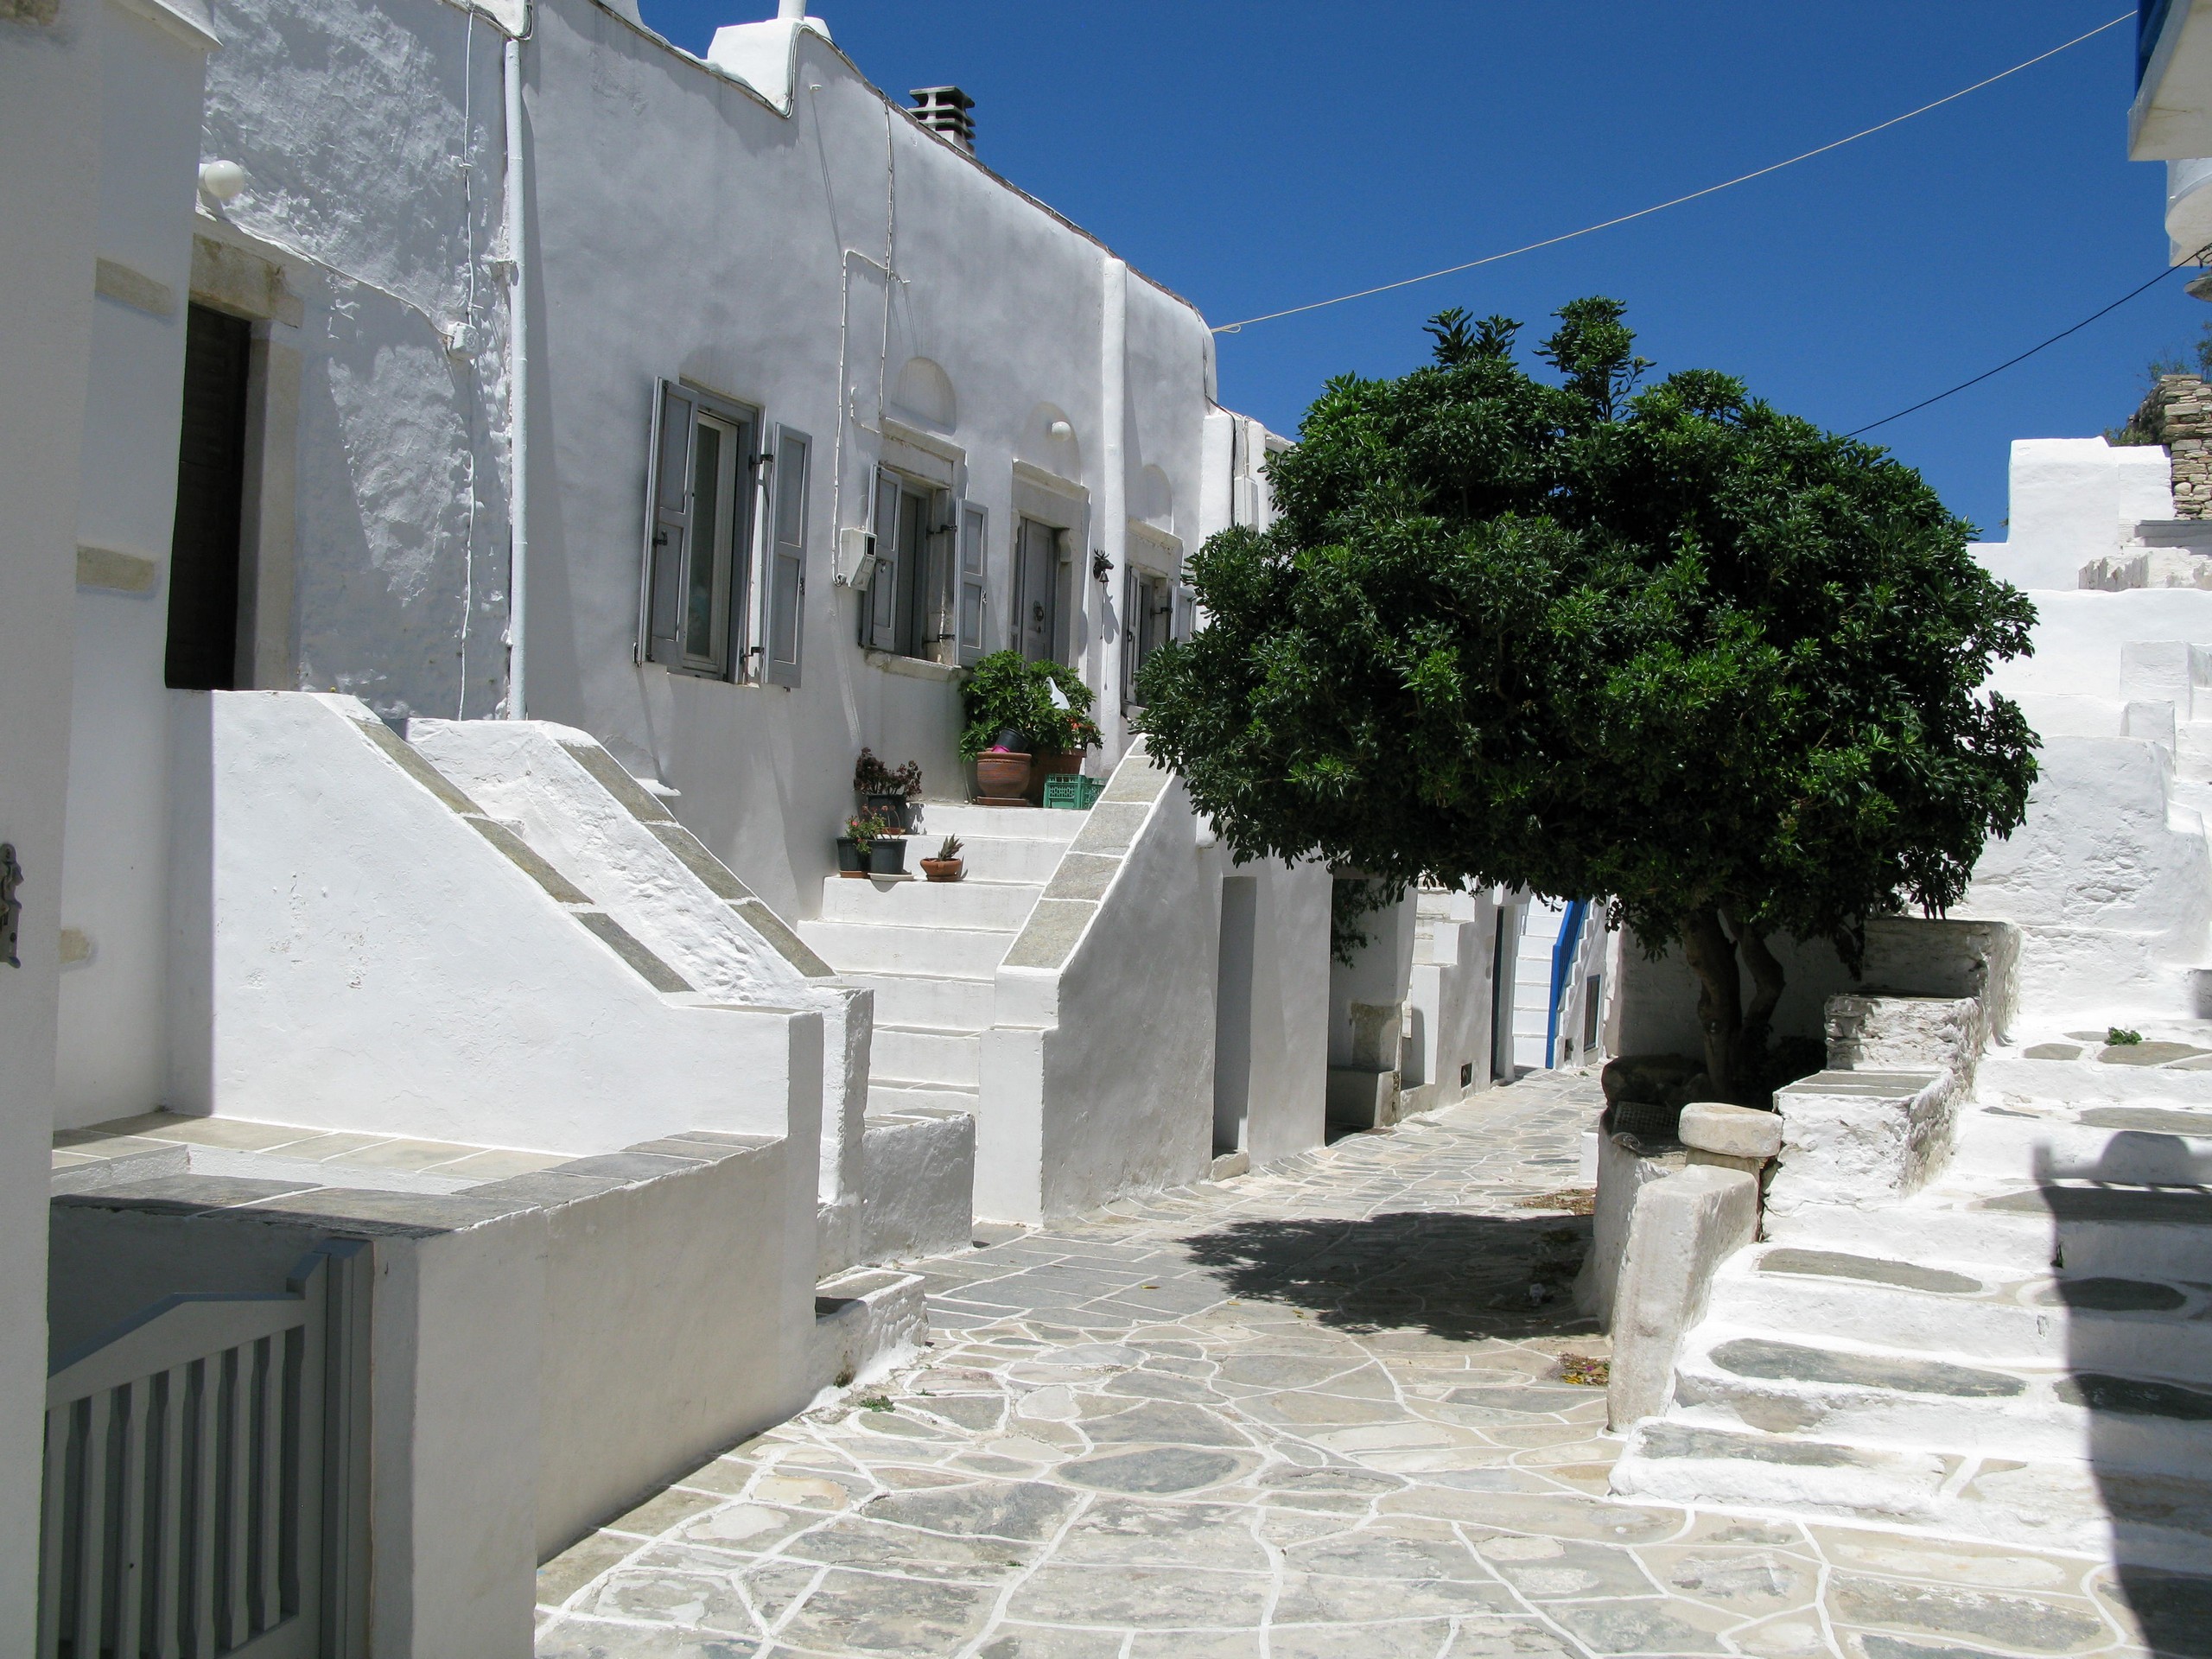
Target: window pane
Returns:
[707, 508]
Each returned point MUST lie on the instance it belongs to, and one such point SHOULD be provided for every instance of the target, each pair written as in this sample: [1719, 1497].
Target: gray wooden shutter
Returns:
[1186, 612]
[668, 525]
[969, 616]
[1132, 610]
[786, 571]
[879, 620]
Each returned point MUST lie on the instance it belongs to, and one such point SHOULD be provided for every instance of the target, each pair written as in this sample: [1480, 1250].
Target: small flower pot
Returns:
[1001, 775]
[887, 855]
[850, 860]
[944, 869]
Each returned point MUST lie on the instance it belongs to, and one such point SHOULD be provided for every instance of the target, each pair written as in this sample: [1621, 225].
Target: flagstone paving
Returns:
[1315, 1411]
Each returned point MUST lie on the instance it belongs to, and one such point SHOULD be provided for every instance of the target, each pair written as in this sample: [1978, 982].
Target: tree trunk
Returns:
[1711, 957]
[1767, 981]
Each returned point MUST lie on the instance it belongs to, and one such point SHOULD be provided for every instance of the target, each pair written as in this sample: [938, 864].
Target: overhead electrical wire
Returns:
[1694, 195]
[2199, 255]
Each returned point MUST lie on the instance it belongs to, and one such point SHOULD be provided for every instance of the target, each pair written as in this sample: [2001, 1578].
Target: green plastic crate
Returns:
[1072, 791]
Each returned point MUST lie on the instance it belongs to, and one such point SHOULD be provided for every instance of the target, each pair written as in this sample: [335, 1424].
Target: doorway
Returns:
[1038, 601]
[205, 540]
[1232, 1012]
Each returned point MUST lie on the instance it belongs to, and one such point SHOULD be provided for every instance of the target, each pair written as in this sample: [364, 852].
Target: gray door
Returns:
[1037, 591]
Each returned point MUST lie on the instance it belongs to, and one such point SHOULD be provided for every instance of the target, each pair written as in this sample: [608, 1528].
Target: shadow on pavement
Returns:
[1460, 1276]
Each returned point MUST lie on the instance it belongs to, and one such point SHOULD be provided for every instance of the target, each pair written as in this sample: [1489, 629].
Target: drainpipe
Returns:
[1112, 494]
[518, 389]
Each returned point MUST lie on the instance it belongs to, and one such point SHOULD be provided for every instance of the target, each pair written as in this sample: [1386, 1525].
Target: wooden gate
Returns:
[198, 1468]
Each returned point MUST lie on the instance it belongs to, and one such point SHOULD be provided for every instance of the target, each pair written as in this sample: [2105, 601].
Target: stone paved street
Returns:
[1316, 1411]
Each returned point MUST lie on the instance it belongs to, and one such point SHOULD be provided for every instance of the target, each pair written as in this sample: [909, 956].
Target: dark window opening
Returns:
[203, 639]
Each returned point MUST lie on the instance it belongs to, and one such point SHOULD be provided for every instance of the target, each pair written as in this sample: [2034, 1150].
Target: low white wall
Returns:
[362, 958]
[678, 1320]
[1288, 1104]
[1657, 1001]
[1097, 1078]
[570, 800]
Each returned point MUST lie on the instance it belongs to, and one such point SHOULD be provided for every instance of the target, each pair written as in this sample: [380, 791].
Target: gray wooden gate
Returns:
[200, 1468]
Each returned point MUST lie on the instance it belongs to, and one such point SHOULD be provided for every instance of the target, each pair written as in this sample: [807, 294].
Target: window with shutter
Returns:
[668, 524]
[786, 561]
[971, 584]
[699, 534]
[880, 615]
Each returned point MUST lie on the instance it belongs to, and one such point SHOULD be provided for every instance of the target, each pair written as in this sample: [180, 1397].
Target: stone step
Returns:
[2132, 1144]
[2118, 1232]
[2131, 1326]
[920, 1054]
[1735, 1378]
[2010, 1074]
[892, 1094]
[990, 906]
[957, 952]
[928, 999]
[942, 819]
[2153, 1519]
[996, 858]
[865, 1323]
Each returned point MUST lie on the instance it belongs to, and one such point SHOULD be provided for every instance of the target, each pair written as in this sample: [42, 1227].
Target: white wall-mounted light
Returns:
[1060, 431]
[223, 180]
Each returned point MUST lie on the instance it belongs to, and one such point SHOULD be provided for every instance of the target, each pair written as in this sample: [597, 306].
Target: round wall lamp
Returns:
[223, 180]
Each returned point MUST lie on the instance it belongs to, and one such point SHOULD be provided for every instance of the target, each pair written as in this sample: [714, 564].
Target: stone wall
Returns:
[2183, 411]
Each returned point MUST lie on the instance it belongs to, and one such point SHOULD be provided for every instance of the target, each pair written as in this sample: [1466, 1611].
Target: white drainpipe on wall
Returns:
[1113, 492]
[518, 389]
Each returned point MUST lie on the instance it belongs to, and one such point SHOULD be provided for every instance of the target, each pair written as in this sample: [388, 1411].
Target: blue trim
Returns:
[2150, 19]
[1564, 949]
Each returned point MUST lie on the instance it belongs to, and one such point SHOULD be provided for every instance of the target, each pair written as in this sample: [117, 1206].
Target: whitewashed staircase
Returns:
[2021, 1351]
[1532, 983]
[930, 950]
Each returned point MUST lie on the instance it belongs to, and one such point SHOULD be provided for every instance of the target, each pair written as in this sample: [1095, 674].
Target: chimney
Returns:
[943, 110]
[789, 12]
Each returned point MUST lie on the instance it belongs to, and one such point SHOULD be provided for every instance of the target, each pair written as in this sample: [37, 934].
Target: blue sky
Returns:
[1257, 154]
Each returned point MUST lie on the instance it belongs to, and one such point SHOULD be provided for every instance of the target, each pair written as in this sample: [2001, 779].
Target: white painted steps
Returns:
[929, 950]
[2021, 1352]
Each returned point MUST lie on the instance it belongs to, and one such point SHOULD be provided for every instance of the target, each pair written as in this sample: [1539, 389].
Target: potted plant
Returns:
[887, 791]
[853, 847]
[947, 866]
[887, 846]
[1025, 720]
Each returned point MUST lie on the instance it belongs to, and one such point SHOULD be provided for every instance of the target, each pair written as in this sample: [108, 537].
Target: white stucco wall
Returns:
[642, 160]
[110, 1060]
[352, 954]
[49, 102]
[678, 1316]
[1290, 1000]
[2074, 499]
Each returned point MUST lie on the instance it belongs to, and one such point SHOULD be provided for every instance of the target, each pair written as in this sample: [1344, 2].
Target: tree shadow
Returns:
[2146, 1416]
[1464, 1277]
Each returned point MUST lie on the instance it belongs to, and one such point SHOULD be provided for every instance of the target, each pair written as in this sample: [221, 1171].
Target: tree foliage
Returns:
[1667, 646]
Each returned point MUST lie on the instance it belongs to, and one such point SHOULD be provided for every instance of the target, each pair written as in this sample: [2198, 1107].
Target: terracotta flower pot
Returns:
[1046, 766]
[943, 869]
[1001, 774]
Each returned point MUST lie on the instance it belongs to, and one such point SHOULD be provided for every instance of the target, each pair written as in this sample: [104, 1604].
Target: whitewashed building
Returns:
[510, 467]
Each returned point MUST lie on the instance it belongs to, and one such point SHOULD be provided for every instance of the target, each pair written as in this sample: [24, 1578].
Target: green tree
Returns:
[1671, 647]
